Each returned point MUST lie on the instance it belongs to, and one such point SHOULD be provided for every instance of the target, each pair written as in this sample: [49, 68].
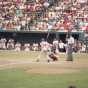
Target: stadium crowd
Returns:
[43, 15]
[56, 45]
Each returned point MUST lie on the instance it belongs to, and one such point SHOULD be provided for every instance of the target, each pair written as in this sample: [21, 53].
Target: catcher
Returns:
[52, 56]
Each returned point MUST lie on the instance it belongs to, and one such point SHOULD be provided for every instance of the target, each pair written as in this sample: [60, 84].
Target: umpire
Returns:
[70, 42]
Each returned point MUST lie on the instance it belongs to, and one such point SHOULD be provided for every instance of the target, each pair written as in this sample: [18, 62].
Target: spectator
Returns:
[61, 46]
[35, 47]
[10, 44]
[18, 46]
[55, 45]
[62, 14]
[27, 47]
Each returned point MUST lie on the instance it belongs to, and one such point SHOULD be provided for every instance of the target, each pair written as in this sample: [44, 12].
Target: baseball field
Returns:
[20, 70]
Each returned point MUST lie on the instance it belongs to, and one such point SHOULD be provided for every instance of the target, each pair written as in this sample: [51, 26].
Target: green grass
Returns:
[18, 78]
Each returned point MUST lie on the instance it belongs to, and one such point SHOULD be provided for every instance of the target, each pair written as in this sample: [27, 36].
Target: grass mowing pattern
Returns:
[18, 78]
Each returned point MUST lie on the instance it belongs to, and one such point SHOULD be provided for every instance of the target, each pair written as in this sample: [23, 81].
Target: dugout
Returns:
[35, 36]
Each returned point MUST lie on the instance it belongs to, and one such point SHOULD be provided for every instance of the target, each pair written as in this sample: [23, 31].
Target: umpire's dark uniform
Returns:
[70, 49]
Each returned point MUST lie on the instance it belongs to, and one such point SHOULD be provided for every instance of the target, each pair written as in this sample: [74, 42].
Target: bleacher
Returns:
[43, 15]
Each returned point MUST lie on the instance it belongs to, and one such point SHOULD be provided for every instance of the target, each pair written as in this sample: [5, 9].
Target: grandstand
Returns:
[31, 20]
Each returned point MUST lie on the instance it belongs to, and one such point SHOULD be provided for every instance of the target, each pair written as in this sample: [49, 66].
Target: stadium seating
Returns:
[43, 15]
